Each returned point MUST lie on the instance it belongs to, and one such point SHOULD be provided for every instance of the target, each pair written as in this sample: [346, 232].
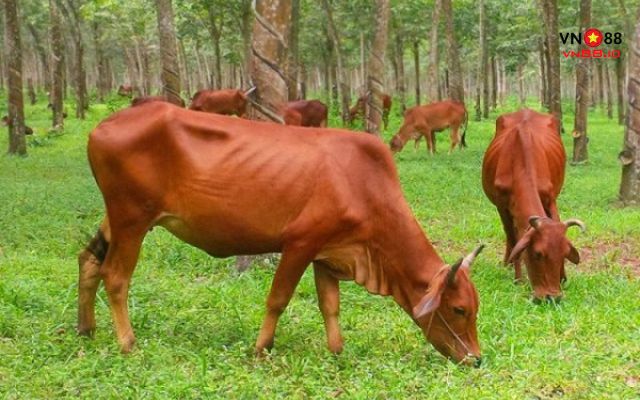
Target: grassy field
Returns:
[196, 319]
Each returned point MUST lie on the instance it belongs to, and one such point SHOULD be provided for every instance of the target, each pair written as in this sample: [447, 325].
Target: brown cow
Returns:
[7, 122]
[522, 174]
[358, 110]
[427, 120]
[146, 99]
[125, 90]
[306, 113]
[346, 215]
[226, 102]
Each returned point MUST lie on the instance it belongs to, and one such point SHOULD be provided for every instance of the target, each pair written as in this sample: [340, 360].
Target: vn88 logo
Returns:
[592, 38]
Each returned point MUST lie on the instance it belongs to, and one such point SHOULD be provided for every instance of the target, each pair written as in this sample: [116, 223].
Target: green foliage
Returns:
[196, 319]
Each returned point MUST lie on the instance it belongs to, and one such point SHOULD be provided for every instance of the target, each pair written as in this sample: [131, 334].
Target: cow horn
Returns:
[451, 276]
[534, 221]
[468, 260]
[576, 222]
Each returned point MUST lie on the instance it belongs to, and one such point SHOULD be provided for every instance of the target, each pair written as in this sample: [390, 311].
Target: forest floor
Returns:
[196, 319]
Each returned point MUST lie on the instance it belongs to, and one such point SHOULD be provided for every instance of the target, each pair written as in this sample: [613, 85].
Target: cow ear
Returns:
[573, 255]
[521, 245]
[431, 301]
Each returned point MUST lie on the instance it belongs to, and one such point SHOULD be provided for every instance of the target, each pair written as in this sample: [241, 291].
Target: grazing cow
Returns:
[146, 99]
[226, 102]
[357, 111]
[125, 90]
[305, 113]
[346, 215]
[522, 174]
[427, 120]
[7, 122]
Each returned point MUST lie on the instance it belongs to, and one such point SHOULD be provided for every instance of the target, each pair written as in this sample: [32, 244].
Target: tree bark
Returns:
[494, 83]
[543, 75]
[484, 60]
[416, 68]
[550, 8]
[246, 25]
[42, 54]
[57, 66]
[31, 91]
[401, 82]
[13, 51]
[521, 93]
[580, 139]
[600, 84]
[100, 63]
[456, 89]
[294, 58]
[375, 76]
[630, 155]
[215, 30]
[620, 89]
[433, 83]
[609, 91]
[168, 52]
[72, 14]
[343, 89]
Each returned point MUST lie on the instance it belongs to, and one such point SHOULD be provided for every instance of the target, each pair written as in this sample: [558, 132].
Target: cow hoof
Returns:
[335, 348]
[87, 332]
[126, 345]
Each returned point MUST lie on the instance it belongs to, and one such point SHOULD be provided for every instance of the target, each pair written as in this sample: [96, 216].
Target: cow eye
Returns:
[459, 310]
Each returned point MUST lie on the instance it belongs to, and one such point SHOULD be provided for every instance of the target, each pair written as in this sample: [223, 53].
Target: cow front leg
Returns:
[328, 289]
[431, 142]
[455, 138]
[116, 272]
[89, 261]
[292, 265]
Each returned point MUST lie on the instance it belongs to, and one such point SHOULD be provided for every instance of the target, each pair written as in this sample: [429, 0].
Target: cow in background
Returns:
[306, 113]
[125, 90]
[358, 110]
[146, 99]
[225, 102]
[522, 174]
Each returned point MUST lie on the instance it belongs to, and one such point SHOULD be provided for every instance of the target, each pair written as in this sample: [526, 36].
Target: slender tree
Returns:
[168, 51]
[71, 10]
[13, 51]
[341, 73]
[433, 83]
[580, 140]
[215, 30]
[416, 68]
[630, 155]
[456, 88]
[375, 78]
[550, 10]
[294, 48]
[57, 66]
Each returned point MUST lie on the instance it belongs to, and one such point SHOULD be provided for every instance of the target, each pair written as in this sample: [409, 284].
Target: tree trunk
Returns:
[547, 63]
[478, 87]
[375, 76]
[168, 52]
[600, 84]
[363, 61]
[57, 66]
[185, 67]
[608, 89]
[580, 140]
[31, 91]
[340, 72]
[433, 83]
[494, 83]
[521, 93]
[100, 63]
[416, 68]
[550, 8]
[620, 89]
[401, 79]
[269, 55]
[630, 155]
[215, 29]
[42, 54]
[543, 75]
[456, 89]
[146, 67]
[72, 15]
[293, 59]
[13, 51]
[484, 60]
[246, 29]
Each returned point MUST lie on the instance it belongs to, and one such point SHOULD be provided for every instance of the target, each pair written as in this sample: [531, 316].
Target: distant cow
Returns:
[226, 102]
[146, 99]
[234, 186]
[125, 90]
[305, 113]
[7, 122]
[522, 174]
[358, 110]
[427, 120]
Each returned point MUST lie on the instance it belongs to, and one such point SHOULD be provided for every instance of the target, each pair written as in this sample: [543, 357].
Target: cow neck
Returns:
[410, 264]
[526, 200]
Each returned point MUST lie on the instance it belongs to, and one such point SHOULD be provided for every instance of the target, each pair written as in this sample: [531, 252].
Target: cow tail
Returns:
[463, 142]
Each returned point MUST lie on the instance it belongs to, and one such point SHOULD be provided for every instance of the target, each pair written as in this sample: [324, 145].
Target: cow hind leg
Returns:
[116, 272]
[455, 138]
[292, 265]
[89, 261]
[327, 287]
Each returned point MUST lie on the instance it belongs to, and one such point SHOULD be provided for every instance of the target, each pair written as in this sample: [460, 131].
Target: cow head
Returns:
[396, 143]
[447, 313]
[545, 247]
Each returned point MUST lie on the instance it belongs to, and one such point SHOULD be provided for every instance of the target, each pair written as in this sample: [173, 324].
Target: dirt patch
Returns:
[603, 255]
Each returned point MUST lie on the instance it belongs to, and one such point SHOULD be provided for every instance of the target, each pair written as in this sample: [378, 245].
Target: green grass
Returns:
[196, 319]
